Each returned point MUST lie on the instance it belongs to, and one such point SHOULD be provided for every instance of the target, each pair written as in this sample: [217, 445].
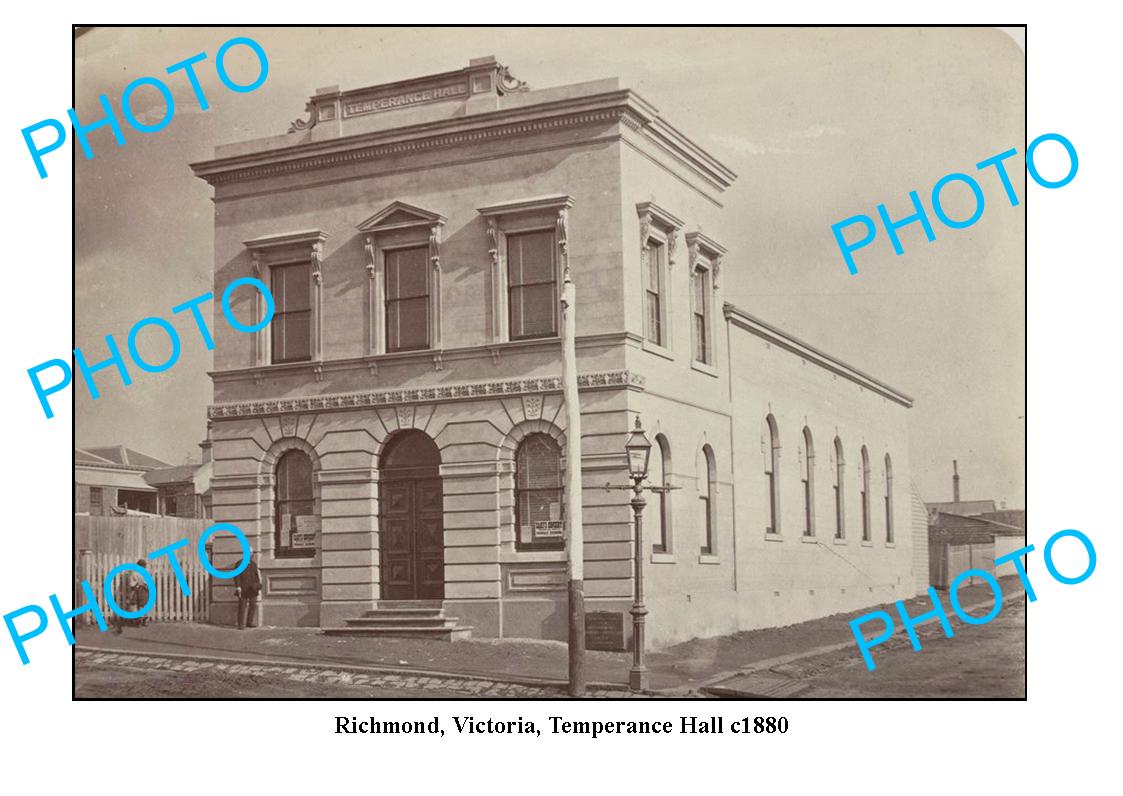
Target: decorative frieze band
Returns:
[444, 392]
[213, 173]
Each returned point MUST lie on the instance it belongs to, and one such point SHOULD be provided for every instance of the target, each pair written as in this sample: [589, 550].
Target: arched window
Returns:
[707, 495]
[294, 509]
[660, 476]
[808, 483]
[772, 473]
[539, 512]
[839, 492]
[866, 536]
[888, 499]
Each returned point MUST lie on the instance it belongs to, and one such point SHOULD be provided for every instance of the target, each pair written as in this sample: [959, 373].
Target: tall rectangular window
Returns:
[653, 293]
[773, 475]
[97, 505]
[407, 299]
[294, 506]
[539, 496]
[839, 495]
[888, 499]
[701, 311]
[866, 535]
[532, 285]
[808, 483]
[291, 326]
[707, 501]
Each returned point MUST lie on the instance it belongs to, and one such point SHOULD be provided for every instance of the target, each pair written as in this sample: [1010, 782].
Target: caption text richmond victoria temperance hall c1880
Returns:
[396, 432]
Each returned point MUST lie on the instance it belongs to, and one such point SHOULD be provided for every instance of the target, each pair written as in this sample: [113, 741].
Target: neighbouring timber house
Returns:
[396, 432]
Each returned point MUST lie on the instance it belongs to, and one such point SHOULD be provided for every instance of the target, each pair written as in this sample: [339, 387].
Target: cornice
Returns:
[494, 351]
[756, 326]
[534, 204]
[308, 237]
[653, 213]
[622, 105]
[445, 392]
[708, 246]
[402, 140]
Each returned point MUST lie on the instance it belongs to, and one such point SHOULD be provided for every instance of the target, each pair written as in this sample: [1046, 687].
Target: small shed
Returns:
[957, 544]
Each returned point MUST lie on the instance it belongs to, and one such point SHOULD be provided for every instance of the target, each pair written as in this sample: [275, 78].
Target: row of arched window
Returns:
[539, 493]
[807, 478]
[658, 475]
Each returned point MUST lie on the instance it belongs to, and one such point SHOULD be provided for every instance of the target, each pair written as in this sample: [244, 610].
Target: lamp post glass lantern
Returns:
[639, 451]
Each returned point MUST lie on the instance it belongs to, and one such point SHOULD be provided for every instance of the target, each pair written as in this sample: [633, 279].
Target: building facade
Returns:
[397, 431]
[111, 480]
[182, 491]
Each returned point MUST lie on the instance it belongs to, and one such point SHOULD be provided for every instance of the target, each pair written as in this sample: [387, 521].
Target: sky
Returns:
[820, 124]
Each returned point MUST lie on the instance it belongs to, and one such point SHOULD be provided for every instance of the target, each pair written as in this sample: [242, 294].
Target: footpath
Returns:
[737, 665]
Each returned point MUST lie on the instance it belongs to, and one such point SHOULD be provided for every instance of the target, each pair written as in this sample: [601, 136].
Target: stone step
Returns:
[378, 620]
[405, 612]
[431, 604]
[439, 633]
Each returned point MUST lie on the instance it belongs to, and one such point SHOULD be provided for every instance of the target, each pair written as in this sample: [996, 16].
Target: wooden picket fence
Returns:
[171, 605]
[102, 543]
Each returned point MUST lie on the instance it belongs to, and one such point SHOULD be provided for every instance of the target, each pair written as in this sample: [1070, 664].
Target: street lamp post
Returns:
[639, 450]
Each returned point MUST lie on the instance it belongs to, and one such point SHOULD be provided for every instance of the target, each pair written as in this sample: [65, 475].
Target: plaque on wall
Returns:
[548, 529]
[304, 532]
[604, 630]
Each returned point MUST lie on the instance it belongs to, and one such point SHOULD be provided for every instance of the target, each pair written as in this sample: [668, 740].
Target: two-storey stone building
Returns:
[397, 433]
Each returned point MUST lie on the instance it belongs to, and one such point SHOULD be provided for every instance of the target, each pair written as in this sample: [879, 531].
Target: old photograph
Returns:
[517, 362]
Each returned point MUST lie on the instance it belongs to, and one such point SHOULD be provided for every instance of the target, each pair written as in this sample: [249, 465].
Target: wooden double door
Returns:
[411, 535]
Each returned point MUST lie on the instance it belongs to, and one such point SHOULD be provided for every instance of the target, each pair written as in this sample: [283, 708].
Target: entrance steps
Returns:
[405, 619]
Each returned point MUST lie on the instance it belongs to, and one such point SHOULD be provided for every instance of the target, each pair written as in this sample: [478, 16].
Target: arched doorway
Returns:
[411, 519]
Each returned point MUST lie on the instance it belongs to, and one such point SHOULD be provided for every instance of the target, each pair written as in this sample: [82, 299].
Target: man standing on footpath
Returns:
[247, 585]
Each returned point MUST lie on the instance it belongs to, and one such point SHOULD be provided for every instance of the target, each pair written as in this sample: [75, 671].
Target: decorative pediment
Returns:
[287, 246]
[652, 214]
[536, 204]
[400, 224]
[698, 245]
[399, 215]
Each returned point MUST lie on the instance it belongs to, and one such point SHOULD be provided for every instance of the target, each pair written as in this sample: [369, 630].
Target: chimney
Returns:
[205, 445]
[955, 480]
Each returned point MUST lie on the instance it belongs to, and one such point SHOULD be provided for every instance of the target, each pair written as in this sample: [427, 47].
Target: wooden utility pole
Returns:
[576, 538]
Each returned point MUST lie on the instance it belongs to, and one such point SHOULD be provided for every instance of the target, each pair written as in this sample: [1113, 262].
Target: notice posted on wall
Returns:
[643, 404]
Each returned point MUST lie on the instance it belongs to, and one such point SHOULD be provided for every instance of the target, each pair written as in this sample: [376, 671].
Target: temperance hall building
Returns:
[397, 432]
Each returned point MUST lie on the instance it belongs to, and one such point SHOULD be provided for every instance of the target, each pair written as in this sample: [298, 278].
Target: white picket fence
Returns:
[171, 605]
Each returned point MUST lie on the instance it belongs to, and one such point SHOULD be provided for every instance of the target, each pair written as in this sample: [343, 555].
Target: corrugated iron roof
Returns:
[964, 508]
[957, 529]
[172, 475]
[118, 455]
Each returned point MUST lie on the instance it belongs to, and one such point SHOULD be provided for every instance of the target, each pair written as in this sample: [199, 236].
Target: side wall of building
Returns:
[690, 591]
[792, 574]
[920, 564]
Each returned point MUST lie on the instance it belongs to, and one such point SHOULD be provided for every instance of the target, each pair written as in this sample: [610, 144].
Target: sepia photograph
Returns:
[534, 363]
